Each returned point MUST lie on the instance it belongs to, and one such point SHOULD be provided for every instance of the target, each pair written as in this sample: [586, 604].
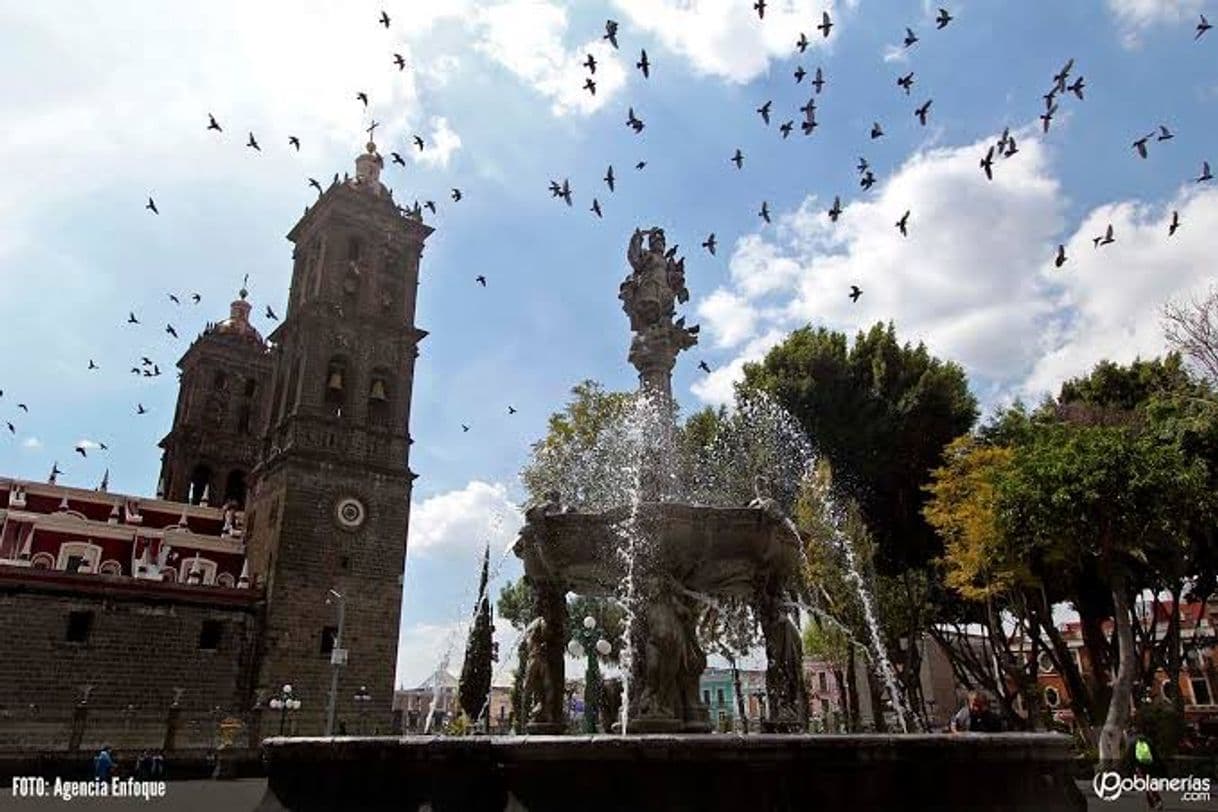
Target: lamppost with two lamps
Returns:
[590, 644]
[284, 702]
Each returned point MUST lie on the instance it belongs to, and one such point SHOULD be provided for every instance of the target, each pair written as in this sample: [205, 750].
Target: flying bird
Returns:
[1202, 27]
[906, 82]
[1205, 172]
[480, 279]
[397, 159]
[702, 365]
[709, 243]
[1011, 148]
[1047, 116]
[903, 223]
[640, 165]
[855, 293]
[418, 142]
[1077, 88]
[868, 180]
[609, 180]
[313, 182]
[1108, 238]
[464, 428]
[169, 329]
[611, 32]
[590, 63]
[836, 210]
[910, 37]
[1059, 78]
[596, 208]
[987, 163]
[384, 19]
[294, 141]
[590, 86]
[922, 111]
[764, 111]
[23, 408]
[876, 132]
[800, 73]
[92, 365]
[212, 124]
[1175, 224]
[174, 299]
[252, 143]
[565, 191]
[786, 128]
[644, 65]
[737, 159]
[863, 165]
[1140, 144]
[151, 206]
[943, 19]
[825, 23]
[362, 97]
[802, 43]
[430, 205]
[139, 409]
[270, 314]
[511, 410]
[456, 195]
[764, 214]
[760, 7]
[1165, 134]
[196, 298]
[131, 319]
[400, 61]
[11, 428]
[818, 81]
[633, 121]
[1060, 259]
[80, 449]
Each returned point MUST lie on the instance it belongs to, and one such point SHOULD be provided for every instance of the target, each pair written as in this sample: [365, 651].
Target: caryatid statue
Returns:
[649, 297]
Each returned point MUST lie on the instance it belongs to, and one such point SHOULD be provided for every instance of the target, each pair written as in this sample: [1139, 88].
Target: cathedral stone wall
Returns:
[93, 660]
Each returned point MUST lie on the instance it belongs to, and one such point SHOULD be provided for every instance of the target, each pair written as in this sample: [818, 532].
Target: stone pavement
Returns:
[244, 795]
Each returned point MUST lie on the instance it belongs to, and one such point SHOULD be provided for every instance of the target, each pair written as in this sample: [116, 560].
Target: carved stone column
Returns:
[784, 677]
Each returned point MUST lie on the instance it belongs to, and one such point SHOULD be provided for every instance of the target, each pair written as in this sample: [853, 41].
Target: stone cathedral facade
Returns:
[283, 502]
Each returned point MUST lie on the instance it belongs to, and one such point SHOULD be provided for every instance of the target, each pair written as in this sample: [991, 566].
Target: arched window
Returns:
[380, 398]
[1052, 697]
[202, 569]
[220, 381]
[79, 556]
[225, 580]
[335, 396]
[111, 567]
[200, 478]
[234, 486]
[42, 561]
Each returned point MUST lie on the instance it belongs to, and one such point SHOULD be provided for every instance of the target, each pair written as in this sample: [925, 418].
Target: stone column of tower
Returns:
[213, 444]
[332, 493]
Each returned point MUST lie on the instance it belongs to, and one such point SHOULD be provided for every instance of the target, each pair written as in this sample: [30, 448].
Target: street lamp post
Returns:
[338, 658]
[362, 698]
[283, 703]
[590, 644]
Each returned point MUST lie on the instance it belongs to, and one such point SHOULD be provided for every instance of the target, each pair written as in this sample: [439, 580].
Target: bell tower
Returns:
[330, 504]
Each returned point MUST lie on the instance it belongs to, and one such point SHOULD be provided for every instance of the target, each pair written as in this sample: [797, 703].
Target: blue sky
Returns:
[106, 103]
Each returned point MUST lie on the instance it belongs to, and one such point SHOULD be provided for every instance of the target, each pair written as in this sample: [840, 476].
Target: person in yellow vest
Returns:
[1144, 767]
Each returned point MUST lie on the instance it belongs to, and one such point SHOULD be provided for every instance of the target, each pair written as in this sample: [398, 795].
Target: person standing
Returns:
[103, 764]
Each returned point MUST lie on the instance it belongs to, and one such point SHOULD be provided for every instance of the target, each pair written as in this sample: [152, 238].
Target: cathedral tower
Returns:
[215, 440]
[331, 500]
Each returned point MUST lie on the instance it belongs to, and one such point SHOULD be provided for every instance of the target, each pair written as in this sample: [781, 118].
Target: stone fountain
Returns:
[683, 554]
[673, 557]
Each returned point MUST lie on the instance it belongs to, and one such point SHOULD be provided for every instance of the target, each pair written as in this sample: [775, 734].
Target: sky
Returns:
[105, 103]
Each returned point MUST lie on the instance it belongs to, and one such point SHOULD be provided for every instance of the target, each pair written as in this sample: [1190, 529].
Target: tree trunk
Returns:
[1080, 697]
[877, 702]
[851, 688]
[1119, 714]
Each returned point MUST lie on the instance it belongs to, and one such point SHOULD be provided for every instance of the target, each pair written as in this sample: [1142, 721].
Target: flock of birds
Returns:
[1006, 147]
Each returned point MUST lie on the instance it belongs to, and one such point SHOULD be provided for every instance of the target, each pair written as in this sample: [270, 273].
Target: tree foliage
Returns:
[474, 686]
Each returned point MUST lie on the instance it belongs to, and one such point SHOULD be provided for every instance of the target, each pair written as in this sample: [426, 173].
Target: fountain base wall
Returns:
[671, 773]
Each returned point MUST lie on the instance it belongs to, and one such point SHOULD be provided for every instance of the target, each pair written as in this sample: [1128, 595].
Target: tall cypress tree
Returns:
[475, 685]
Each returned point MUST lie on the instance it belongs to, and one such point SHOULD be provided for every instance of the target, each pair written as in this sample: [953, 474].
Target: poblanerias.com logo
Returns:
[1110, 785]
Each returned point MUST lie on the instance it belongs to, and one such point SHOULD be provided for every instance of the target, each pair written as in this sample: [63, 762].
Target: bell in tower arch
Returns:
[335, 382]
[378, 390]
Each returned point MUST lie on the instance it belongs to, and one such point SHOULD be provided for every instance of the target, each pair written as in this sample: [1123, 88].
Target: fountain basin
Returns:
[713, 550]
[672, 773]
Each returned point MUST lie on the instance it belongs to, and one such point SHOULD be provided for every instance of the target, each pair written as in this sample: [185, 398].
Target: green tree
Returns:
[474, 687]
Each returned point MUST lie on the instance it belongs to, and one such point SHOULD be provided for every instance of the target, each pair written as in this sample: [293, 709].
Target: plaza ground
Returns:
[244, 795]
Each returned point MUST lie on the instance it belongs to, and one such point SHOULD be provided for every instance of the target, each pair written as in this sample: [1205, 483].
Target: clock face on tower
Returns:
[350, 513]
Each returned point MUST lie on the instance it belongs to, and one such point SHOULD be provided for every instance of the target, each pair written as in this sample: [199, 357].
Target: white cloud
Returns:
[1133, 16]
[440, 144]
[87, 444]
[526, 37]
[896, 53]
[724, 38]
[718, 388]
[31, 442]
[729, 317]
[463, 521]
[424, 648]
[1111, 297]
